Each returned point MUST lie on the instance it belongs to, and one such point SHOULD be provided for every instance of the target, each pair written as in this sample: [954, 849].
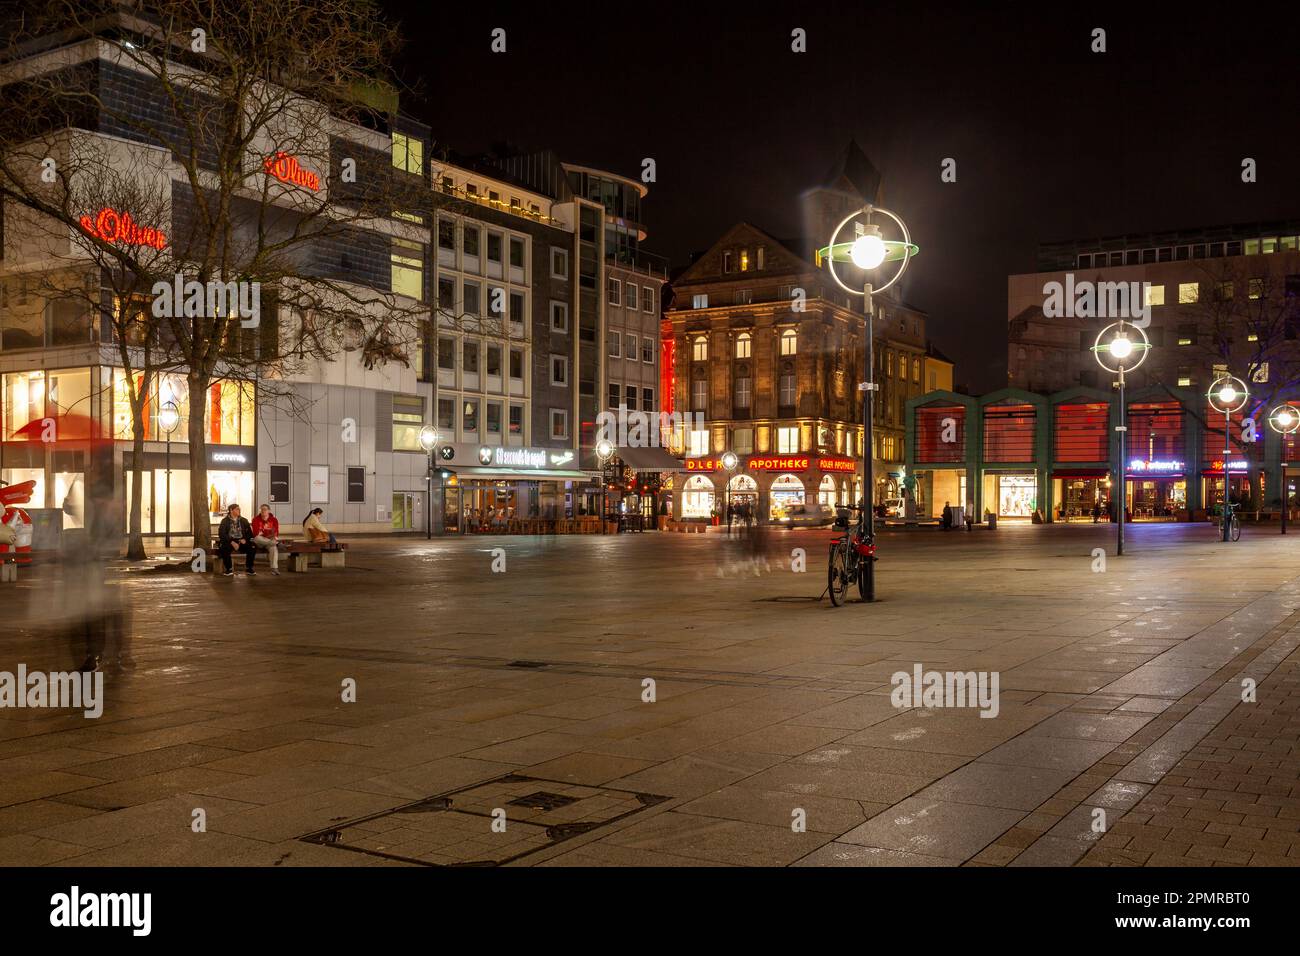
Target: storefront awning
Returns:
[653, 458]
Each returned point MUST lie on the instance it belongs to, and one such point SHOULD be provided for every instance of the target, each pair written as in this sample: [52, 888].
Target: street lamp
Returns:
[604, 451]
[868, 251]
[1227, 394]
[168, 418]
[1284, 420]
[1120, 348]
[428, 440]
[729, 461]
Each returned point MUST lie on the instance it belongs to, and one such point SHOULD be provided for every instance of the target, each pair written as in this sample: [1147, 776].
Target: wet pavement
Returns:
[506, 717]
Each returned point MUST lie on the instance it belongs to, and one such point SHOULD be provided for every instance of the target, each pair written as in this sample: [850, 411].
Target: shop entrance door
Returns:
[404, 511]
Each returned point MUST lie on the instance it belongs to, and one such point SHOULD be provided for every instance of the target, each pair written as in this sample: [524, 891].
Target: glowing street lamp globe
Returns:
[604, 448]
[867, 252]
[1228, 394]
[1121, 346]
[168, 418]
[428, 437]
[1284, 419]
[1117, 349]
[729, 460]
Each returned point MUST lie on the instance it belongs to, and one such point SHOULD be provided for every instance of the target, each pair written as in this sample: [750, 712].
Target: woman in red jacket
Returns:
[266, 534]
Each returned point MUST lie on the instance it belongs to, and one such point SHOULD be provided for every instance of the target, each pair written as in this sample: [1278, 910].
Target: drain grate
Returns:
[457, 828]
[541, 800]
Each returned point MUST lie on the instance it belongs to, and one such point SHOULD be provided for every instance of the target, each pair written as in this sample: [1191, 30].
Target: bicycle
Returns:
[1229, 523]
[850, 558]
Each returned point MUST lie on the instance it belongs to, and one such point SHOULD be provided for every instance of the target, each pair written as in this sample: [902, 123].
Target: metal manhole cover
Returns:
[456, 828]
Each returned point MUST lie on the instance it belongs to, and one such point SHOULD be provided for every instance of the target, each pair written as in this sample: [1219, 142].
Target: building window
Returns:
[648, 399]
[494, 418]
[469, 238]
[614, 288]
[408, 155]
[614, 394]
[699, 395]
[630, 351]
[698, 442]
[559, 370]
[494, 247]
[408, 419]
[559, 423]
[447, 294]
[469, 415]
[494, 359]
[446, 354]
[517, 364]
[744, 296]
[356, 485]
[787, 440]
[743, 343]
[742, 441]
[647, 350]
[630, 399]
[517, 308]
[1184, 376]
[1189, 293]
[471, 292]
[469, 357]
[916, 371]
[789, 342]
[447, 416]
[647, 299]
[787, 389]
[1224, 290]
[889, 364]
[516, 419]
[615, 344]
[408, 269]
[1155, 295]
[1256, 289]
[726, 262]
[700, 349]
[744, 385]
[629, 296]
[446, 235]
[700, 301]
[559, 264]
[516, 252]
[559, 316]
[760, 257]
[744, 260]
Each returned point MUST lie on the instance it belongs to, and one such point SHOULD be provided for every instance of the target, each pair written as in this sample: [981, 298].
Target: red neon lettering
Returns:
[112, 226]
[287, 169]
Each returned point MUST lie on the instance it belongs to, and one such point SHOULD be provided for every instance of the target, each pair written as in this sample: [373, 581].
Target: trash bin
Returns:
[993, 520]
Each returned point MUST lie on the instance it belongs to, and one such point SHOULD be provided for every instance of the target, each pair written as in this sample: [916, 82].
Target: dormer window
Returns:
[726, 261]
[744, 260]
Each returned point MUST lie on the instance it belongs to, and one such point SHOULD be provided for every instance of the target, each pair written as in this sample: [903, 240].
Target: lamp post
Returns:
[168, 418]
[1284, 420]
[868, 251]
[729, 461]
[1227, 394]
[1118, 350]
[604, 451]
[428, 440]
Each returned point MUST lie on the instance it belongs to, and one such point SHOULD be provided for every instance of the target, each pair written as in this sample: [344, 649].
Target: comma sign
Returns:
[113, 226]
[287, 169]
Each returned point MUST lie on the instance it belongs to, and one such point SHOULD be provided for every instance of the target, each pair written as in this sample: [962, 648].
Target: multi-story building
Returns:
[1214, 302]
[770, 352]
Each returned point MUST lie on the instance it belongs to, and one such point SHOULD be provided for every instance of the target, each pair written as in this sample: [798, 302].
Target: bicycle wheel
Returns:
[1235, 529]
[838, 573]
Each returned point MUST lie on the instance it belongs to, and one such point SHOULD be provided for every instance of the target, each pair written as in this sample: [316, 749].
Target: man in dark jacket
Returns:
[235, 534]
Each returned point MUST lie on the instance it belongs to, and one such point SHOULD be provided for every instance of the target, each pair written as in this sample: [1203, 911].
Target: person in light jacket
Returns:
[266, 534]
[317, 533]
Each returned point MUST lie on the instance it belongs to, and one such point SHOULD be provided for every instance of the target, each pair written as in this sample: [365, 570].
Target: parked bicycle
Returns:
[851, 557]
[1229, 523]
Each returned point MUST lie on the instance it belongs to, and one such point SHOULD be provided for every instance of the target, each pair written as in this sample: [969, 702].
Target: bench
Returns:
[331, 556]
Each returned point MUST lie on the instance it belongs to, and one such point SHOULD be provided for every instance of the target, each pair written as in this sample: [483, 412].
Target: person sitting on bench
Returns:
[235, 534]
[266, 534]
[317, 533]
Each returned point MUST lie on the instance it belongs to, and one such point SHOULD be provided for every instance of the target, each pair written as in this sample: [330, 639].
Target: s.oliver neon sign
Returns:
[113, 226]
[287, 169]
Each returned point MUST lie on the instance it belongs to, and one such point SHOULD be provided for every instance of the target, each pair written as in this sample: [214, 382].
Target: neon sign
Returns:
[287, 169]
[779, 463]
[1236, 465]
[701, 464]
[113, 226]
[1171, 467]
[837, 464]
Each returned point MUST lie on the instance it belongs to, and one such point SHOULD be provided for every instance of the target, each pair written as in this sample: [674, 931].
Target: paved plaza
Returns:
[504, 717]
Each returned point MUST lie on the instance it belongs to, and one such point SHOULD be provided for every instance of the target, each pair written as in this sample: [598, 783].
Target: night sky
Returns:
[1051, 140]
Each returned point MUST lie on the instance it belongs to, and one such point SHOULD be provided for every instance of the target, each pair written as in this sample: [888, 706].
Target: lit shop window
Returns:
[173, 389]
[699, 442]
[787, 440]
[408, 419]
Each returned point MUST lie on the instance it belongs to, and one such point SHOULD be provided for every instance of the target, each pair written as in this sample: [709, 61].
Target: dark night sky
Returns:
[1051, 140]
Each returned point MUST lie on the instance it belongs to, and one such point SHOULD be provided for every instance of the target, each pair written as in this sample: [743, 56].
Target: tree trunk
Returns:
[199, 511]
[135, 540]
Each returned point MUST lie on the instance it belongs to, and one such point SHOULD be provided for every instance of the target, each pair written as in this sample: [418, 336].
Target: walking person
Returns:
[317, 533]
[235, 534]
[266, 534]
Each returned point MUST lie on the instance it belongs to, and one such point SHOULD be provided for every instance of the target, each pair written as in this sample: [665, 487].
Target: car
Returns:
[895, 508]
[805, 516]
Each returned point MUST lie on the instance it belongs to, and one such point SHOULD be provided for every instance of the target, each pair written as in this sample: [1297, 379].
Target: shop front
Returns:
[1081, 494]
[1156, 490]
[1014, 492]
[489, 486]
[1232, 475]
